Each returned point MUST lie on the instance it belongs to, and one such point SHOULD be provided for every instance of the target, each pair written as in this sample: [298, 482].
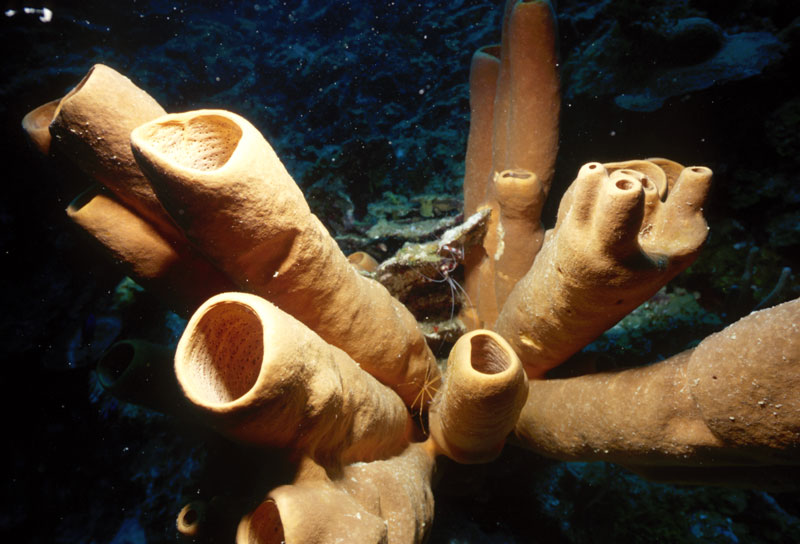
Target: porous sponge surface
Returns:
[226, 351]
[202, 143]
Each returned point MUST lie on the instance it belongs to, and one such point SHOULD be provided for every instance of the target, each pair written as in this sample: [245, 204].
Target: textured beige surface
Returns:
[231, 195]
[746, 382]
[483, 392]
[260, 376]
[527, 103]
[615, 243]
[732, 401]
[387, 501]
[89, 129]
[363, 261]
[520, 78]
[181, 278]
[521, 197]
[92, 126]
[36, 125]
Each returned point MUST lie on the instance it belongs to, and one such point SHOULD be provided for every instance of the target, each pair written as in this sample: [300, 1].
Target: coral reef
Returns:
[252, 370]
[256, 373]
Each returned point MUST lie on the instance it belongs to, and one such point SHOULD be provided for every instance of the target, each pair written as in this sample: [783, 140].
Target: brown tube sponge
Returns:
[92, 126]
[262, 377]
[484, 390]
[524, 137]
[521, 197]
[477, 175]
[89, 128]
[224, 185]
[363, 261]
[386, 501]
[175, 271]
[315, 512]
[528, 102]
[615, 243]
[732, 401]
[746, 383]
[478, 162]
[36, 125]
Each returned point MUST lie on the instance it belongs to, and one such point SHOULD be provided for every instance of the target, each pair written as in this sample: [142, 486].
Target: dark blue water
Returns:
[366, 103]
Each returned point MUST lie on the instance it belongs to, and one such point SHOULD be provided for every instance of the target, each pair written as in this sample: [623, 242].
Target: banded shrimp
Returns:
[424, 398]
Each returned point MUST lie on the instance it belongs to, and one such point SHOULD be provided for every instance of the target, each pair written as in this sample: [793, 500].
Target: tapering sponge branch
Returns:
[174, 271]
[478, 161]
[527, 102]
[260, 376]
[36, 125]
[226, 188]
[615, 243]
[521, 197]
[90, 128]
[746, 383]
[477, 176]
[484, 390]
[514, 106]
[732, 401]
[381, 502]
[92, 125]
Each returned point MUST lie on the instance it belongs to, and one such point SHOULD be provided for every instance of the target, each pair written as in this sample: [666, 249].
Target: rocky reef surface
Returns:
[367, 105]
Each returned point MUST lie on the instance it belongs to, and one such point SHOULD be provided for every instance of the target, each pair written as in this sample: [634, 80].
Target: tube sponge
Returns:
[175, 271]
[484, 390]
[92, 126]
[226, 188]
[260, 376]
[90, 129]
[730, 402]
[385, 501]
[615, 243]
[514, 101]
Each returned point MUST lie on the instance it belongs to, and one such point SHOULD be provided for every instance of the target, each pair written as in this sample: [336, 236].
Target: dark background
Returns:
[361, 98]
